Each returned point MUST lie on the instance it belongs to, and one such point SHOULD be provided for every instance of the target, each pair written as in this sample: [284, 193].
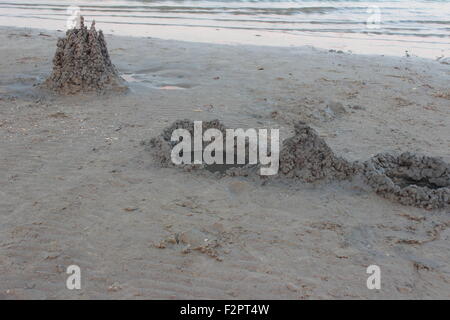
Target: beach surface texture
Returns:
[79, 185]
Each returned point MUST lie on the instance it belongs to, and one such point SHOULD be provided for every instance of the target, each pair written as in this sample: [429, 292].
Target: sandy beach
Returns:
[78, 187]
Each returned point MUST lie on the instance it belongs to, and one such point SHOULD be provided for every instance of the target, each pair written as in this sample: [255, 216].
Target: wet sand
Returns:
[79, 188]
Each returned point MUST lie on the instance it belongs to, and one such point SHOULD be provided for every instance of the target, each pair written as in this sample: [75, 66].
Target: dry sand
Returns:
[77, 186]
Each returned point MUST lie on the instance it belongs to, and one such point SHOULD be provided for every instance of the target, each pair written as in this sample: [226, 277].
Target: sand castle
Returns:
[409, 179]
[82, 64]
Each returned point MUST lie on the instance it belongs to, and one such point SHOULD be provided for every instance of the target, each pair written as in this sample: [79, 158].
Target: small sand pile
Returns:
[410, 179]
[82, 64]
[307, 157]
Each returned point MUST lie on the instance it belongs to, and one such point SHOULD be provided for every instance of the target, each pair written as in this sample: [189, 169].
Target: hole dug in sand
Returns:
[82, 64]
[307, 157]
[161, 148]
[212, 241]
[410, 179]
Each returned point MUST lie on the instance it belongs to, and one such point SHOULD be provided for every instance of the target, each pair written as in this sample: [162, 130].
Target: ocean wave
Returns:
[402, 18]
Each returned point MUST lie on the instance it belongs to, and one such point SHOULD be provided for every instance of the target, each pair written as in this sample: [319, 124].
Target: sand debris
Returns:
[82, 64]
[209, 241]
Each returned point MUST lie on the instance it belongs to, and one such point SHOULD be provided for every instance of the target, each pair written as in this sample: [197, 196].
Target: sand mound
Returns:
[304, 156]
[82, 64]
[307, 157]
[410, 179]
[189, 125]
[161, 148]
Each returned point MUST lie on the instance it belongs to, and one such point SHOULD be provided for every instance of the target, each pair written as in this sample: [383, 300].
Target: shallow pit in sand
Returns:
[410, 179]
[155, 81]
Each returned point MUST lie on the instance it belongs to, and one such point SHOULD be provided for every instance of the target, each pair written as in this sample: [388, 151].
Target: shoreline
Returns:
[390, 28]
[79, 188]
[369, 44]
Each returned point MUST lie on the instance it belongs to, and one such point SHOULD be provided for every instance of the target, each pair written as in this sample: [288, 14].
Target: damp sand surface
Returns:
[78, 186]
